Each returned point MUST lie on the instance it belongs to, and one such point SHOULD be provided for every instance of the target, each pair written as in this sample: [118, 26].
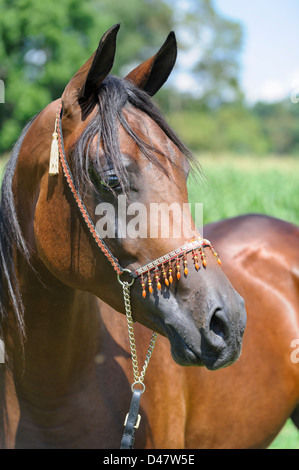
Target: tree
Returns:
[213, 44]
[42, 44]
[279, 124]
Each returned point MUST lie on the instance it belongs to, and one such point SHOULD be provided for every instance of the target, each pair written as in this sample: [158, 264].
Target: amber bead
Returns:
[170, 276]
[150, 287]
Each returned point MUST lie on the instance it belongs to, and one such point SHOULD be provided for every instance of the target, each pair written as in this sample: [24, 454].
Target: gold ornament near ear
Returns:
[54, 155]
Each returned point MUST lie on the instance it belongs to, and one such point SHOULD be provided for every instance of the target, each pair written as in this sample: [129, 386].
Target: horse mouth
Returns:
[183, 353]
[197, 354]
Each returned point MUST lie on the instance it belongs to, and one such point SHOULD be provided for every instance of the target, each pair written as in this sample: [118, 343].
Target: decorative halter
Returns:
[165, 267]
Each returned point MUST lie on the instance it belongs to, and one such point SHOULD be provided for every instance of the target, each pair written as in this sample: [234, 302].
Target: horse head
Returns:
[119, 148]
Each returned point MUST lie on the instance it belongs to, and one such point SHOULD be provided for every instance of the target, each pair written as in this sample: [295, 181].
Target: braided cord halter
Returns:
[71, 183]
[165, 266]
[195, 244]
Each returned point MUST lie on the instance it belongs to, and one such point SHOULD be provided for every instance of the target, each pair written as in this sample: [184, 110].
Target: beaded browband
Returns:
[163, 266]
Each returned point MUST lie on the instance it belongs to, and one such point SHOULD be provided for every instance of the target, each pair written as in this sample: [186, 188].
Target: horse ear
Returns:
[153, 73]
[90, 76]
[102, 62]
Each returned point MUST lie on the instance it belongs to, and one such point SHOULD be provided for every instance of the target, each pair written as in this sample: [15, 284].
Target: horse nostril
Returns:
[218, 323]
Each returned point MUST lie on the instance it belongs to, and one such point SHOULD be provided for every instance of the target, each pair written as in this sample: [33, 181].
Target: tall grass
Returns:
[232, 186]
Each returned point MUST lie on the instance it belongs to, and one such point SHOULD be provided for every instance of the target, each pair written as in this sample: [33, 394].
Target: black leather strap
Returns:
[128, 438]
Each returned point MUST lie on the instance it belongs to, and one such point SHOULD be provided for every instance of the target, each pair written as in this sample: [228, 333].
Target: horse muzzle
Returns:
[210, 335]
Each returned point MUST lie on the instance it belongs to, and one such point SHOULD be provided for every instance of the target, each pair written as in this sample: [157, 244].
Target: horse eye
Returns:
[107, 181]
[111, 181]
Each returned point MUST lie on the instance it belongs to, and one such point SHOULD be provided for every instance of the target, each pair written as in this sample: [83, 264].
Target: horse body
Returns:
[261, 390]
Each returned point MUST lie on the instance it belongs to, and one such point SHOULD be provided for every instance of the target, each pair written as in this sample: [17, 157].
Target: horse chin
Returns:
[182, 353]
[186, 355]
[225, 360]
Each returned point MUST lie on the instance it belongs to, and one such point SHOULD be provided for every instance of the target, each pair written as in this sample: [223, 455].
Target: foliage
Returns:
[228, 128]
[279, 123]
[265, 128]
[214, 44]
[42, 44]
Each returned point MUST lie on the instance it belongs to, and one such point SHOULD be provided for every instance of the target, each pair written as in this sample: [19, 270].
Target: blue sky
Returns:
[270, 56]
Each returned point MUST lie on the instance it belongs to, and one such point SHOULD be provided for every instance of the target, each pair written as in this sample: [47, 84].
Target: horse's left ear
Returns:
[102, 63]
[89, 77]
[153, 73]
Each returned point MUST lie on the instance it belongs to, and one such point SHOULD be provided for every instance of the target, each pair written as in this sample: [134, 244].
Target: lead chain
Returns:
[138, 378]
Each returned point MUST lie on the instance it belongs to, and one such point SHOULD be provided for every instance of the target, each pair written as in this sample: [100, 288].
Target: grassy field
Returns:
[239, 185]
[236, 185]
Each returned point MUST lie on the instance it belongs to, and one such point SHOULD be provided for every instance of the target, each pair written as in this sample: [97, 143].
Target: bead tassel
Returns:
[150, 287]
[185, 262]
[178, 269]
[203, 257]
[54, 155]
[143, 287]
[165, 275]
[158, 284]
[216, 255]
[170, 273]
[195, 258]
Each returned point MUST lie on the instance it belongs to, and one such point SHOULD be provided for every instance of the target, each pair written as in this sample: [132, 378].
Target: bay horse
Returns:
[63, 384]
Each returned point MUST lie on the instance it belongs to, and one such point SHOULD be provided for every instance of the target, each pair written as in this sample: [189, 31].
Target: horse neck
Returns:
[63, 332]
[61, 323]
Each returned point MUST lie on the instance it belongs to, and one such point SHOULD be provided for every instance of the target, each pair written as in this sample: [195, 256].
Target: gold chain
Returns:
[138, 378]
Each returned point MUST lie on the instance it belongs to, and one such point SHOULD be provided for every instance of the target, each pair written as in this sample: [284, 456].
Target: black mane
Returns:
[11, 237]
[115, 95]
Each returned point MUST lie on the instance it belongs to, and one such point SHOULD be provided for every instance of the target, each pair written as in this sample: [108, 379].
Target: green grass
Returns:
[234, 186]
[288, 438]
[3, 161]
